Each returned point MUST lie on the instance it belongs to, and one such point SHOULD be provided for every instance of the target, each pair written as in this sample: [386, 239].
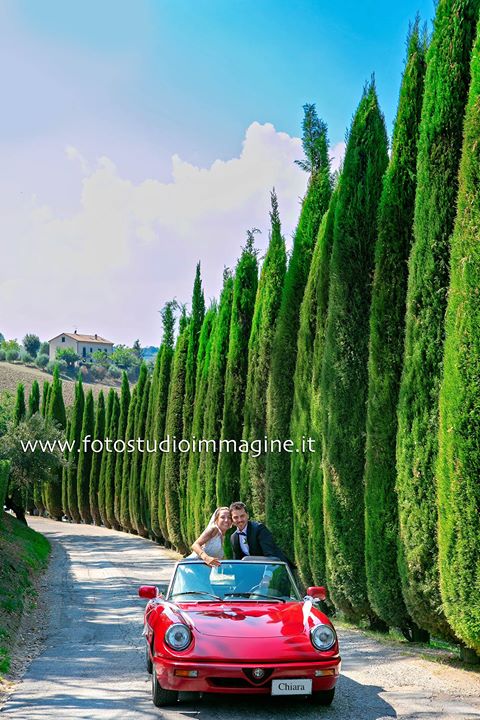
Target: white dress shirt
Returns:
[243, 540]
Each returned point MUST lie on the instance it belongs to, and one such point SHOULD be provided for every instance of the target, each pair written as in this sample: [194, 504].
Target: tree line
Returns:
[365, 338]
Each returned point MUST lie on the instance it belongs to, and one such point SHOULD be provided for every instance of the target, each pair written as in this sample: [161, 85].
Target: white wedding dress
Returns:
[213, 547]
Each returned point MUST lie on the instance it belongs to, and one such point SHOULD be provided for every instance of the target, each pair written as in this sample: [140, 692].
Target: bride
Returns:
[209, 546]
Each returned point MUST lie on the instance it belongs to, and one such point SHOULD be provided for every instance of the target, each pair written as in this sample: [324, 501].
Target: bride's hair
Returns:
[217, 513]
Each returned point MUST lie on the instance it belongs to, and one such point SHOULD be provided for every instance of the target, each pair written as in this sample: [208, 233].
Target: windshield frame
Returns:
[226, 561]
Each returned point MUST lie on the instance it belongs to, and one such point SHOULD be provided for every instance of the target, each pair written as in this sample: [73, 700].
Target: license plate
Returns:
[291, 687]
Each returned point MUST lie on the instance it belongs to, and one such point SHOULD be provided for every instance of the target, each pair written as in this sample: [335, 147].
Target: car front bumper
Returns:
[238, 677]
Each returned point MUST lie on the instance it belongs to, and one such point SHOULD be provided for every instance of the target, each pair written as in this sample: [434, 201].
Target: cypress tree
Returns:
[138, 456]
[85, 459]
[267, 305]
[34, 399]
[459, 452]
[145, 491]
[39, 488]
[110, 463]
[316, 535]
[74, 437]
[126, 464]
[97, 492]
[387, 325]
[56, 412]
[439, 147]
[196, 320]
[107, 482]
[119, 456]
[244, 293]
[207, 470]
[20, 410]
[307, 506]
[18, 495]
[203, 360]
[45, 394]
[174, 428]
[278, 502]
[160, 414]
[344, 380]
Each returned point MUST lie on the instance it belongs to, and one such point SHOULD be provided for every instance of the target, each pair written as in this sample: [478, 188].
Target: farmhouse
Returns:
[84, 345]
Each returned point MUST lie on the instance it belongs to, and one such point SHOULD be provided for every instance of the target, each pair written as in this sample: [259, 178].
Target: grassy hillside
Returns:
[11, 375]
[23, 553]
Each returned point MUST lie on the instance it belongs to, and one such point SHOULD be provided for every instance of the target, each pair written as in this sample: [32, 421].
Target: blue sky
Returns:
[140, 83]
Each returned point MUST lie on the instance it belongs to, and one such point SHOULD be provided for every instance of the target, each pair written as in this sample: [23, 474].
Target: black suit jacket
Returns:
[260, 542]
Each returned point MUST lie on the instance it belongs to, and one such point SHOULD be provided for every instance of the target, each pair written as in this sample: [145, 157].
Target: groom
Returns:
[252, 538]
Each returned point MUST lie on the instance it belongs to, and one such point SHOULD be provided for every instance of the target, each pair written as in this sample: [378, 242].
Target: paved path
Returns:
[92, 663]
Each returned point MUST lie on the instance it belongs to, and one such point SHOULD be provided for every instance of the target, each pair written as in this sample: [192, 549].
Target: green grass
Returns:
[23, 554]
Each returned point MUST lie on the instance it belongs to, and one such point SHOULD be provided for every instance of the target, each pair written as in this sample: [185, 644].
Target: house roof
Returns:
[84, 338]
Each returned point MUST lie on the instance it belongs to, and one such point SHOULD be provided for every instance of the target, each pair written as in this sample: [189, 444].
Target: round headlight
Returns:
[178, 636]
[323, 637]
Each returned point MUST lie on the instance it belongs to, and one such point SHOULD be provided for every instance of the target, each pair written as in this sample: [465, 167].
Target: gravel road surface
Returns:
[91, 664]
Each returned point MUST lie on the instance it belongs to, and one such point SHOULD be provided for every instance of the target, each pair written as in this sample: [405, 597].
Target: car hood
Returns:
[253, 620]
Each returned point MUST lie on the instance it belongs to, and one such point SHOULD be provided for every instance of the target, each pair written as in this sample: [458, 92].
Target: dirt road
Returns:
[92, 663]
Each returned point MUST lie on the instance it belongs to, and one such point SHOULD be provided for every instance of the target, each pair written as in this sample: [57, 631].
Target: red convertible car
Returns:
[241, 627]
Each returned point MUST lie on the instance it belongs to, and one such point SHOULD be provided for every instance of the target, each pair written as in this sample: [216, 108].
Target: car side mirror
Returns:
[318, 592]
[147, 592]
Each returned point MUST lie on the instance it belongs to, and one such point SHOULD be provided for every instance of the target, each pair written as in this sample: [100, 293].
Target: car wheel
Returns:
[161, 697]
[148, 659]
[323, 697]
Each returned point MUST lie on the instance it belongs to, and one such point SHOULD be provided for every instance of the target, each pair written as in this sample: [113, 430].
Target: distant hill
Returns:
[11, 375]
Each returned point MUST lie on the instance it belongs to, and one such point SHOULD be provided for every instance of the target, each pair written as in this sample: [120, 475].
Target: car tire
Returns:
[323, 697]
[161, 697]
[148, 659]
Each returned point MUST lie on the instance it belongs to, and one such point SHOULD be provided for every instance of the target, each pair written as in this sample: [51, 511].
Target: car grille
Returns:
[247, 682]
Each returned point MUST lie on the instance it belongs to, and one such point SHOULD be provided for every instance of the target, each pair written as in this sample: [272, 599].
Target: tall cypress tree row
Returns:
[136, 512]
[85, 459]
[244, 293]
[278, 503]
[196, 320]
[126, 463]
[313, 314]
[203, 360]
[97, 491]
[207, 470]
[446, 88]
[145, 491]
[160, 414]
[110, 463]
[122, 426]
[56, 411]
[34, 399]
[315, 530]
[174, 428]
[107, 482]
[267, 305]
[74, 437]
[459, 452]
[387, 326]
[344, 382]
[39, 488]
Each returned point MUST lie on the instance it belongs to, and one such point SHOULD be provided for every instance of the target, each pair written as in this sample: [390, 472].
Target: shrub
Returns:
[12, 355]
[97, 372]
[114, 372]
[2, 355]
[44, 348]
[25, 357]
[41, 361]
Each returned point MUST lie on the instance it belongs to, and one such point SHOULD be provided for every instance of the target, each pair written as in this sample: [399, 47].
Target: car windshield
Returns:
[233, 581]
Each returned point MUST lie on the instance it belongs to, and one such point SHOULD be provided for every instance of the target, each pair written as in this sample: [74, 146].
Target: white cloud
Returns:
[109, 266]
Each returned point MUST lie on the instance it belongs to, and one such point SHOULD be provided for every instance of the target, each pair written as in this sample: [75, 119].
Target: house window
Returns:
[63, 339]
[91, 350]
[84, 352]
